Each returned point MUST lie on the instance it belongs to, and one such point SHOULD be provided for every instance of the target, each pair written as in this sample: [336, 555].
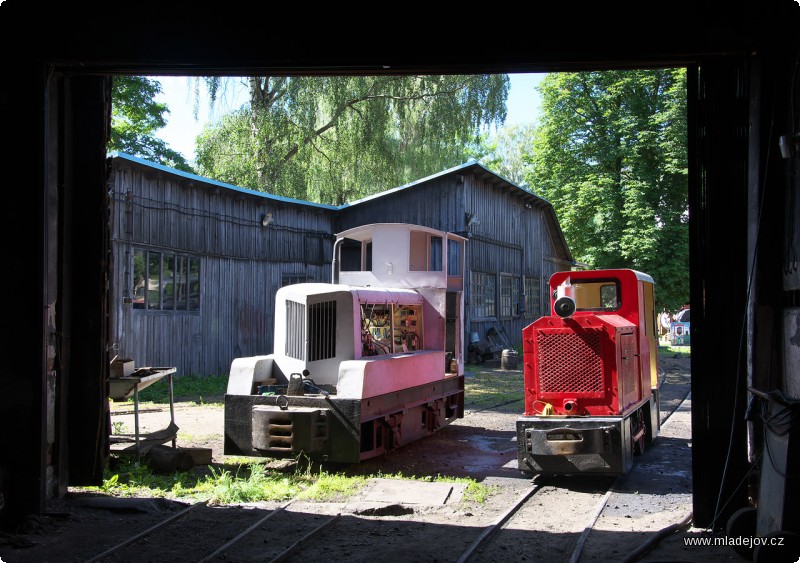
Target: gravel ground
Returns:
[620, 513]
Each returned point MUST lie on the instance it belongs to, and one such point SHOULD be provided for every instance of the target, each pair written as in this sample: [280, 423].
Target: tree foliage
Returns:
[335, 139]
[136, 116]
[610, 154]
[507, 152]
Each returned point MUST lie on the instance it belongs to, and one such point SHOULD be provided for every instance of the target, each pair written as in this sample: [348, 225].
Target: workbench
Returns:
[123, 388]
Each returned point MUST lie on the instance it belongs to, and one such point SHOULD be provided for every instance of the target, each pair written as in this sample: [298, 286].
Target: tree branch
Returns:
[367, 96]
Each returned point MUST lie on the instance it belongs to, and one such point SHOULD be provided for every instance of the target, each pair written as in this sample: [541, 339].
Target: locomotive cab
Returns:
[591, 382]
[362, 365]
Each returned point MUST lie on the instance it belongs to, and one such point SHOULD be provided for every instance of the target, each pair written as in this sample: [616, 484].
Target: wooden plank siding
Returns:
[511, 239]
[438, 203]
[243, 263]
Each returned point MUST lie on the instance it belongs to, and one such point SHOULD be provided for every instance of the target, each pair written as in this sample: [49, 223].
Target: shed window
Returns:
[291, 279]
[510, 296]
[164, 281]
[483, 295]
[532, 297]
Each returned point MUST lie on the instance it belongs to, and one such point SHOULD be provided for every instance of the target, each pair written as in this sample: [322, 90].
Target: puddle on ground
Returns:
[490, 453]
[492, 444]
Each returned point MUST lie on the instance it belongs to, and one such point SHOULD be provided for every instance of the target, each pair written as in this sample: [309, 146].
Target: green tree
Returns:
[507, 152]
[135, 117]
[611, 155]
[335, 139]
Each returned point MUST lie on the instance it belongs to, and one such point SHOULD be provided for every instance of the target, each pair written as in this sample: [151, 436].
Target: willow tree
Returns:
[506, 151]
[610, 154]
[334, 139]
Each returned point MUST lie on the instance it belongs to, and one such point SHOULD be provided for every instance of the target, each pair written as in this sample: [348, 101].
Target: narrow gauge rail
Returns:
[590, 502]
[198, 519]
[308, 539]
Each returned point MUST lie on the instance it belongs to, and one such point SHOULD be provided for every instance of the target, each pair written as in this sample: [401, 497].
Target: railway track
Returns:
[277, 534]
[540, 509]
[532, 526]
[282, 535]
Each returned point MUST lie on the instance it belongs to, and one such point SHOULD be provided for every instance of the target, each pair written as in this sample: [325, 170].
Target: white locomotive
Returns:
[361, 366]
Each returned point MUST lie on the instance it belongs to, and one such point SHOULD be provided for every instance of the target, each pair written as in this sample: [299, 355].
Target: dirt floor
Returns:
[568, 519]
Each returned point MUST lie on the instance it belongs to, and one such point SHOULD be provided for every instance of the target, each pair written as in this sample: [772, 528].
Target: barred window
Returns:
[509, 296]
[533, 288]
[165, 281]
[483, 295]
[291, 279]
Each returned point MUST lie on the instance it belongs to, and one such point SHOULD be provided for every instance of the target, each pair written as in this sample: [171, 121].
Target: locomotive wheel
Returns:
[637, 423]
[742, 523]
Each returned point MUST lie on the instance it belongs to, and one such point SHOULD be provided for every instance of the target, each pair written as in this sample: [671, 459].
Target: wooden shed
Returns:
[196, 263]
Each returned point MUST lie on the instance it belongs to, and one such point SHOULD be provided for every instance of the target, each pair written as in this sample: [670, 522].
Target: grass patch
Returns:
[202, 389]
[251, 482]
[674, 351]
[256, 482]
[497, 389]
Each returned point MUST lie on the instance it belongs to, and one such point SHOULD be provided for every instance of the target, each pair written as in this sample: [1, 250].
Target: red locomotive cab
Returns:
[591, 395]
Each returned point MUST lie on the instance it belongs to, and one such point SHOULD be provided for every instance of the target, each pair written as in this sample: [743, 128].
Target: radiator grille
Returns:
[570, 362]
[321, 331]
[295, 330]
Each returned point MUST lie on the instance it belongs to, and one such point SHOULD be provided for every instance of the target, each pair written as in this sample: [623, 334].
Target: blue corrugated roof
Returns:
[190, 176]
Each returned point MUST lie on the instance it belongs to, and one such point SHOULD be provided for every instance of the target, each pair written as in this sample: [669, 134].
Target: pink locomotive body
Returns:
[591, 393]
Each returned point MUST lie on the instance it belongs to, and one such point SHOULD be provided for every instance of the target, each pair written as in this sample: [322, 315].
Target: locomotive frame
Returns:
[591, 380]
[363, 365]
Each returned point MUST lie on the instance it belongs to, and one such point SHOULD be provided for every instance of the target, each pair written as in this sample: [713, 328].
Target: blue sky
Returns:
[182, 127]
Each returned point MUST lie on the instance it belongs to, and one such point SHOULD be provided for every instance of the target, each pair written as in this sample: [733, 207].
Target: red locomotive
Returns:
[591, 385]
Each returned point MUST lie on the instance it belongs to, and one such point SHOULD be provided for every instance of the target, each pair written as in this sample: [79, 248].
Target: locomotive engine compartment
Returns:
[357, 370]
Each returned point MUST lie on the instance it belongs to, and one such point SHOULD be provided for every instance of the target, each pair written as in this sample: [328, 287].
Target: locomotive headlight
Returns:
[564, 305]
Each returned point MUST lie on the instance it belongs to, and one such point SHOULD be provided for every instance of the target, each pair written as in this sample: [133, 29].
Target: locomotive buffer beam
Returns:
[558, 446]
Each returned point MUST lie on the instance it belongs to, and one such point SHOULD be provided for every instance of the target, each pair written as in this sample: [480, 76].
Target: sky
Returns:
[182, 127]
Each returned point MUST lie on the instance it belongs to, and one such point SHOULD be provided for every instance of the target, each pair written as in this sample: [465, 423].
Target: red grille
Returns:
[570, 362]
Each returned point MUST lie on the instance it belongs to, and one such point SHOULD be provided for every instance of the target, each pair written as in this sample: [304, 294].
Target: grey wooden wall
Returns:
[513, 237]
[438, 204]
[242, 264]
